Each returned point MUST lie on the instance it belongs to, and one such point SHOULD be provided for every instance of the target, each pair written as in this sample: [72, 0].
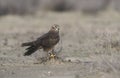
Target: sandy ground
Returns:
[92, 43]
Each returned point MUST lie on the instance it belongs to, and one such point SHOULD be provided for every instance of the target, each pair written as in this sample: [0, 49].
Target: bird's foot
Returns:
[54, 56]
[44, 60]
[51, 56]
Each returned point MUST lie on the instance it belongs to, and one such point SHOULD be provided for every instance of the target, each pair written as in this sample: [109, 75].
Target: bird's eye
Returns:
[55, 26]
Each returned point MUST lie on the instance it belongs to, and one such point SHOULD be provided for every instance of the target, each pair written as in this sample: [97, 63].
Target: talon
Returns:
[52, 56]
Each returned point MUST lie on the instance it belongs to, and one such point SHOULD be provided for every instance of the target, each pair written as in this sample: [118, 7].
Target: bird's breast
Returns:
[53, 41]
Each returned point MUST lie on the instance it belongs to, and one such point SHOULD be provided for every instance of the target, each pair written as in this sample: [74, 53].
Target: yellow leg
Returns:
[52, 56]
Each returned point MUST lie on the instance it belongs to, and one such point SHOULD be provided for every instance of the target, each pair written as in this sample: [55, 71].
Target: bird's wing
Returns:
[35, 45]
[43, 37]
[47, 40]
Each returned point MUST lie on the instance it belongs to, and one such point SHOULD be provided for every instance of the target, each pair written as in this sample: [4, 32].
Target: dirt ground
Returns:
[92, 43]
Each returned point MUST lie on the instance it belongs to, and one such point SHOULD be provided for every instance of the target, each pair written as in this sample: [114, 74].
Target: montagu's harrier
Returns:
[45, 42]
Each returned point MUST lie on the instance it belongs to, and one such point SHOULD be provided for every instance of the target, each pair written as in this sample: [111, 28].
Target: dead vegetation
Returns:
[91, 43]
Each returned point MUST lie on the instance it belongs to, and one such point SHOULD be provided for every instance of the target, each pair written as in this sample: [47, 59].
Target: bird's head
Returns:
[55, 27]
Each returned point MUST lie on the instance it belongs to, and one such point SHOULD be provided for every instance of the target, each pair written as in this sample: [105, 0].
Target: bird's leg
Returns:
[53, 55]
[49, 55]
[54, 58]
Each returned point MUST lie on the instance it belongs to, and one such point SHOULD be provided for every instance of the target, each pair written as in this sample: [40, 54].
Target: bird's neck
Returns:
[54, 32]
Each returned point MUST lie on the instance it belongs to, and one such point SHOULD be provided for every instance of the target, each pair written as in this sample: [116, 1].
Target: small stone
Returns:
[49, 73]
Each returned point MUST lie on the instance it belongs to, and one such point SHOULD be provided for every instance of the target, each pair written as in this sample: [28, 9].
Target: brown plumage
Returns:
[45, 42]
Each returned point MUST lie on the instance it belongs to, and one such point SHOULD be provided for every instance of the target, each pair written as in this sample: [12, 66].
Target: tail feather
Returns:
[27, 44]
[30, 50]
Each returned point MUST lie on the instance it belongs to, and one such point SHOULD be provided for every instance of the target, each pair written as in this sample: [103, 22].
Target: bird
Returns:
[46, 42]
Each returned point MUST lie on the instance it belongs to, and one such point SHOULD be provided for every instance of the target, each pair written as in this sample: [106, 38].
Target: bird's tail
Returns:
[30, 50]
[27, 44]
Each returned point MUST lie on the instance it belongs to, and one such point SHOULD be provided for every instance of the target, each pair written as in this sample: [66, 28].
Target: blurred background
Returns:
[22, 7]
[90, 37]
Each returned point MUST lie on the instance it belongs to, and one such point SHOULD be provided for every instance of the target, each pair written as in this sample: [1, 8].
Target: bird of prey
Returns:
[45, 42]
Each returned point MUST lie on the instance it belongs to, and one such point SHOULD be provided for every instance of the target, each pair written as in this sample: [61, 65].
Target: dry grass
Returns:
[94, 40]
